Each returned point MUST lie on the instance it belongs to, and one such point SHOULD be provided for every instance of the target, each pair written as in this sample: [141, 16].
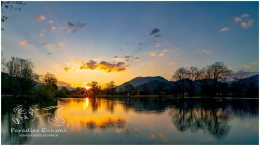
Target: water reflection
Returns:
[143, 121]
[213, 120]
[77, 117]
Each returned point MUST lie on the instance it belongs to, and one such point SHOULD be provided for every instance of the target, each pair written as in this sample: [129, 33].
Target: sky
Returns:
[81, 42]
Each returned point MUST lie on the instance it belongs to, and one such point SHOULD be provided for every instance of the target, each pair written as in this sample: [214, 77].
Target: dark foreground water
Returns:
[131, 121]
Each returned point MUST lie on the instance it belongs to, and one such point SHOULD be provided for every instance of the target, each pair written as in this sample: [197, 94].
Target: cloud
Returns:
[223, 29]
[154, 31]
[98, 65]
[152, 54]
[251, 66]
[157, 36]
[54, 46]
[206, 51]
[247, 23]
[72, 27]
[158, 53]
[157, 45]
[41, 35]
[244, 21]
[51, 28]
[171, 63]
[40, 18]
[25, 43]
[50, 22]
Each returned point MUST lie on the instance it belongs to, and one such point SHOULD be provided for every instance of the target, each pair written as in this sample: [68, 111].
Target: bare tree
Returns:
[193, 74]
[179, 76]
[213, 74]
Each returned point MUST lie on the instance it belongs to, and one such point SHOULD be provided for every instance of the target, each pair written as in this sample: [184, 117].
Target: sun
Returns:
[86, 86]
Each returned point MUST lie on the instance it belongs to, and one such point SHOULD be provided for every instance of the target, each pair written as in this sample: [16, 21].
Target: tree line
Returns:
[211, 81]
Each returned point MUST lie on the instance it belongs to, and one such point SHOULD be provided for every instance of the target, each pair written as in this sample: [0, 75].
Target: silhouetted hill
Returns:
[242, 75]
[147, 83]
[142, 80]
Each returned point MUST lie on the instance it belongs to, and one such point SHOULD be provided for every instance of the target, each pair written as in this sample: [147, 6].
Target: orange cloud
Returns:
[95, 65]
[40, 18]
[25, 43]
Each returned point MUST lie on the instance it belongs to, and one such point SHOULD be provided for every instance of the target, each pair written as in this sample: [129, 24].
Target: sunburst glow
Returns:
[86, 86]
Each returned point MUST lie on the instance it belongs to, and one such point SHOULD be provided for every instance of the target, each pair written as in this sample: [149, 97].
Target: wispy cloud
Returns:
[223, 29]
[245, 21]
[97, 65]
[40, 18]
[206, 51]
[171, 63]
[251, 66]
[25, 42]
[157, 45]
[54, 46]
[158, 53]
[41, 35]
[152, 54]
[51, 28]
[72, 27]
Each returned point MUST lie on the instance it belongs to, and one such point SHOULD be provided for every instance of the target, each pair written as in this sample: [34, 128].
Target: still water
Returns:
[134, 121]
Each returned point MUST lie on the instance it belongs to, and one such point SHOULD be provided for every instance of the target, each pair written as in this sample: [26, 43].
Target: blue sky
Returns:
[55, 35]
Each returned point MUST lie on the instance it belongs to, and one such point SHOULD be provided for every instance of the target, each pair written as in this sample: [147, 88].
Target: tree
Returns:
[21, 70]
[129, 89]
[217, 72]
[193, 74]
[95, 88]
[63, 92]
[109, 88]
[179, 76]
[48, 86]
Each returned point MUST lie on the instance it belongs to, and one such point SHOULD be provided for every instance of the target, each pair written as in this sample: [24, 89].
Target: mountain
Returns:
[142, 80]
[253, 80]
[242, 75]
[61, 84]
[151, 83]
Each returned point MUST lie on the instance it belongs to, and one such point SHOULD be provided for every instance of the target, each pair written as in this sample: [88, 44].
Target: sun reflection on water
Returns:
[86, 101]
[94, 114]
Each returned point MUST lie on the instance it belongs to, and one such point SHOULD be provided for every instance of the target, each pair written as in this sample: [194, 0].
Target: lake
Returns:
[132, 121]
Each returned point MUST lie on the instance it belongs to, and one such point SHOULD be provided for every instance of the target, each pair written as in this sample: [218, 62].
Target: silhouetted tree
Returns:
[63, 92]
[179, 76]
[193, 74]
[48, 87]
[95, 88]
[214, 74]
[109, 88]
[21, 72]
[129, 89]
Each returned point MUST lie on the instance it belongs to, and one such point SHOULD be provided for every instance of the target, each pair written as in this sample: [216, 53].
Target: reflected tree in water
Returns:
[189, 117]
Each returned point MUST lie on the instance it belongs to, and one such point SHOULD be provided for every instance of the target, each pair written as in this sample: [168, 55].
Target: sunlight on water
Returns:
[86, 101]
[94, 116]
